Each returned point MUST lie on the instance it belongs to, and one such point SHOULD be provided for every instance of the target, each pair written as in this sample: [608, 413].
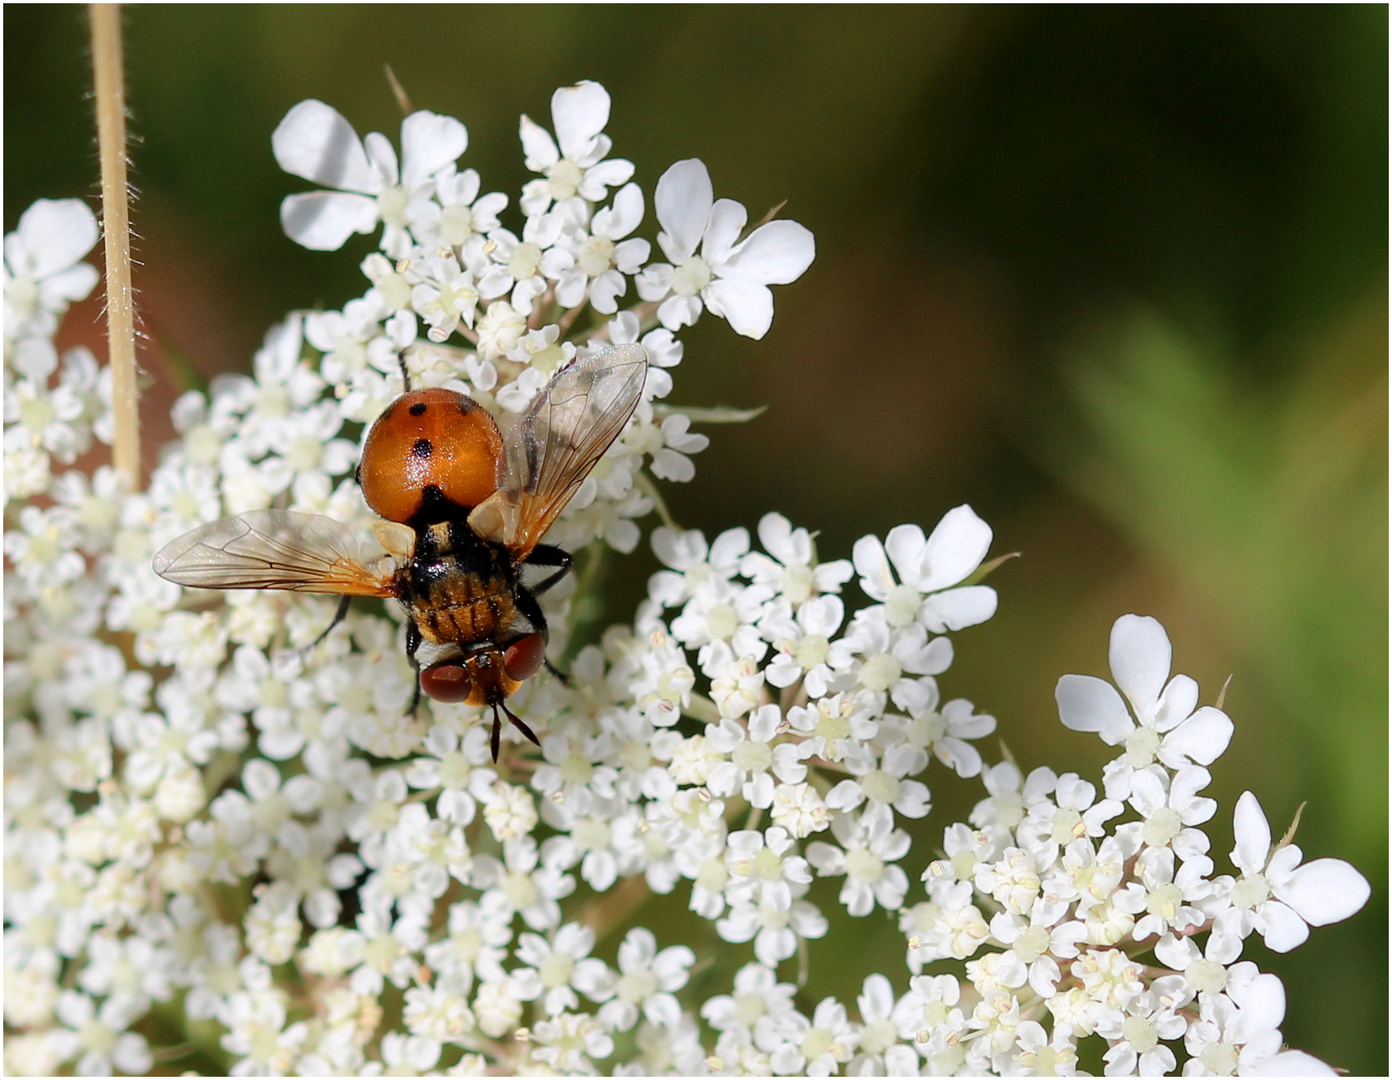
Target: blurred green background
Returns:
[1117, 277]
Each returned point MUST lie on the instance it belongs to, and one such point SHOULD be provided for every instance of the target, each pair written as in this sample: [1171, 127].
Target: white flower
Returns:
[273, 925]
[1166, 727]
[1171, 814]
[135, 968]
[526, 265]
[775, 931]
[944, 732]
[817, 1046]
[1135, 1037]
[559, 967]
[928, 570]
[879, 1049]
[870, 850]
[757, 994]
[497, 1007]
[315, 142]
[754, 763]
[803, 641]
[256, 1023]
[519, 884]
[475, 946]
[1204, 969]
[1280, 898]
[601, 254]
[834, 728]
[98, 1037]
[41, 548]
[731, 276]
[883, 784]
[646, 981]
[578, 167]
[458, 769]
[500, 328]
[390, 947]
[1238, 1032]
[457, 214]
[42, 271]
[570, 1043]
[887, 658]
[765, 868]
[39, 417]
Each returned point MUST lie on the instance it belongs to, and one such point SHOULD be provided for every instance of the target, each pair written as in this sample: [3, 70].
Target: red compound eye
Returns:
[524, 657]
[447, 681]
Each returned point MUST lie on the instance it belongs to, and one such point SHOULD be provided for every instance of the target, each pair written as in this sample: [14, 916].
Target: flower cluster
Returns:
[216, 820]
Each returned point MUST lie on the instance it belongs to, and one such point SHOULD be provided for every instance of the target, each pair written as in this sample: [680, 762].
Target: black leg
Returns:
[339, 616]
[413, 642]
[546, 555]
[557, 672]
[405, 375]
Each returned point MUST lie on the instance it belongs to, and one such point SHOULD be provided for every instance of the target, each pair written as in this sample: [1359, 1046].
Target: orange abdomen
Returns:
[434, 438]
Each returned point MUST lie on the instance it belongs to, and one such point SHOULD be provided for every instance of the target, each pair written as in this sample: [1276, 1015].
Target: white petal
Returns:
[937, 657]
[579, 113]
[1251, 833]
[1263, 1007]
[1202, 738]
[1140, 660]
[957, 609]
[776, 253]
[745, 305]
[429, 142]
[955, 548]
[74, 283]
[605, 291]
[876, 999]
[1177, 953]
[1325, 891]
[323, 220]
[56, 233]
[678, 311]
[654, 281]
[1177, 701]
[683, 201]
[1187, 783]
[629, 256]
[538, 148]
[727, 218]
[870, 562]
[1292, 1063]
[905, 545]
[382, 156]
[598, 179]
[1090, 704]
[314, 141]
[670, 465]
[1281, 928]
[625, 215]
[1147, 792]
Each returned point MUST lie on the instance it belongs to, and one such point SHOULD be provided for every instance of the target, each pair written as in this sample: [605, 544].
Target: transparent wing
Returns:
[557, 441]
[273, 549]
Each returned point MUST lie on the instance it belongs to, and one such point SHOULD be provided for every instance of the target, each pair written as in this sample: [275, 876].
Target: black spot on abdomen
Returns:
[418, 408]
[421, 448]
